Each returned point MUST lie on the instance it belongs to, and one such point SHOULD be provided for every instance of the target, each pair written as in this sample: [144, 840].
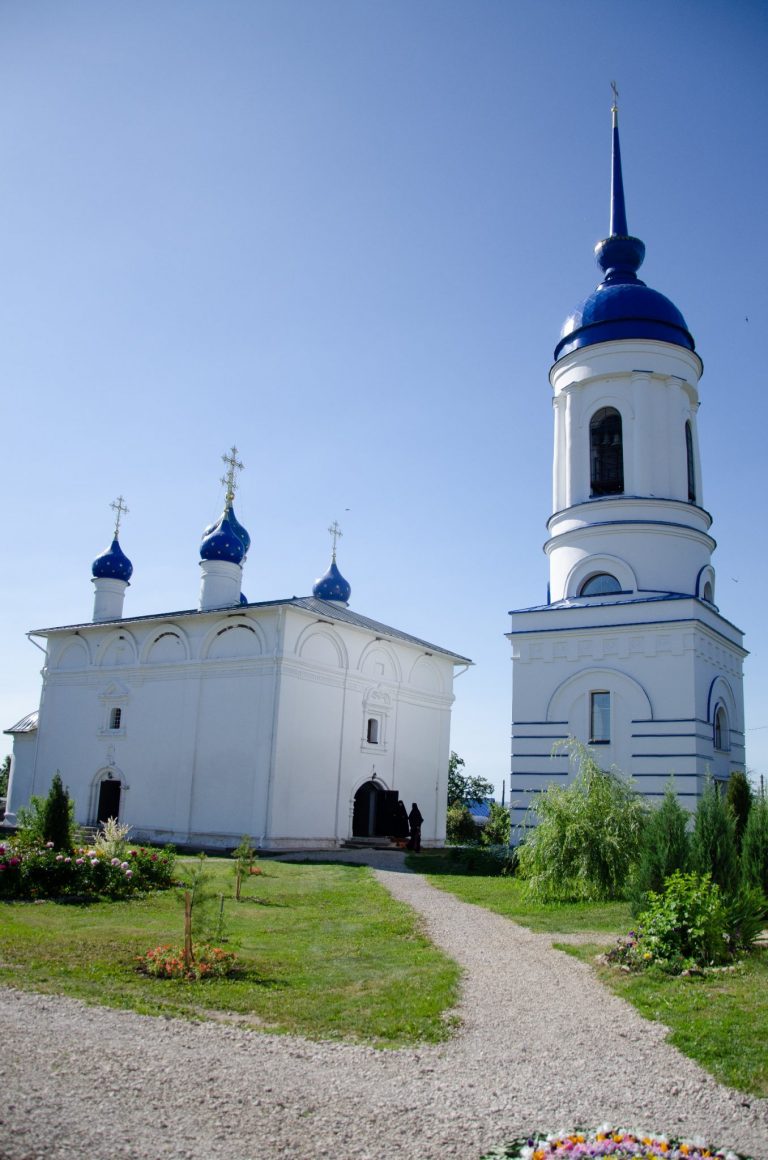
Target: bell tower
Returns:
[630, 654]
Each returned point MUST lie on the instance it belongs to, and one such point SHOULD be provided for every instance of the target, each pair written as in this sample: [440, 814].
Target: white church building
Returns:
[298, 722]
[630, 654]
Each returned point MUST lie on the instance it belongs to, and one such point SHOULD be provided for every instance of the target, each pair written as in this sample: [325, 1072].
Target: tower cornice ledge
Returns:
[623, 509]
[626, 357]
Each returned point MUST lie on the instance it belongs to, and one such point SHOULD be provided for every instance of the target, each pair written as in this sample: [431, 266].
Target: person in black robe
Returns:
[414, 821]
[401, 821]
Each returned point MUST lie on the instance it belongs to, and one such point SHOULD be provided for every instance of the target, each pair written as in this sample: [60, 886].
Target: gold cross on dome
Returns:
[233, 465]
[336, 534]
[119, 508]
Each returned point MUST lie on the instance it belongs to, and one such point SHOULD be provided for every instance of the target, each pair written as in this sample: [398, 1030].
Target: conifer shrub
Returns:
[713, 846]
[754, 849]
[460, 828]
[739, 797]
[58, 821]
[586, 838]
[664, 848]
[496, 830]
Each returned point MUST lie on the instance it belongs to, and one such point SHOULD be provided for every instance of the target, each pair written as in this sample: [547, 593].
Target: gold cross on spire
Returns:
[615, 92]
[336, 534]
[119, 508]
[233, 465]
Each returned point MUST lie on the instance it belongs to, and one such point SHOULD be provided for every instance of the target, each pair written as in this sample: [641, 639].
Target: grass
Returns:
[506, 896]
[326, 952]
[720, 1019]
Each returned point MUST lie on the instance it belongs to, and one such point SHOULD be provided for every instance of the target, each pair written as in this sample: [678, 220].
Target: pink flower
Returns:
[129, 873]
[115, 862]
[94, 861]
[67, 859]
[49, 845]
[79, 861]
[123, 865]
[59, 857]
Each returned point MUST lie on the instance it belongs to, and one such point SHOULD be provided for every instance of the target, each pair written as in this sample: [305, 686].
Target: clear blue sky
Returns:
[344, 235]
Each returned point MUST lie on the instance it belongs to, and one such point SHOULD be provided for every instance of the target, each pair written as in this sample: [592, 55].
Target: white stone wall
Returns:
[240, 722]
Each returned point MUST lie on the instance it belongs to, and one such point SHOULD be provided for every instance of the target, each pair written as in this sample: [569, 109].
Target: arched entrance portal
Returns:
[374, 811]
[109, 801]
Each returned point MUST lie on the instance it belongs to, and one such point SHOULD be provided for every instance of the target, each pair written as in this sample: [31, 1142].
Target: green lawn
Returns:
[720, 1020]
[325, 951]
[506, 896]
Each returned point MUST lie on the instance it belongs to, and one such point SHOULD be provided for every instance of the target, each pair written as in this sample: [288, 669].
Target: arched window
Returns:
[606, 456]
[708, 594]
[722, 737]
[691, 464]
[600, 584]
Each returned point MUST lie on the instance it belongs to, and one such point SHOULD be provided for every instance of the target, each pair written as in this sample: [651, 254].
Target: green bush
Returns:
[664, 848]
[713, 846]
[88, 872]
[460, 829]
[58, 820]
[746, 914]
[587, 837]
[754, 848]
[685, 925]
[495, 832]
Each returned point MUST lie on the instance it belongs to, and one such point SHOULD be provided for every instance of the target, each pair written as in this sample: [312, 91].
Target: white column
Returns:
[221, 584]
[108, 598]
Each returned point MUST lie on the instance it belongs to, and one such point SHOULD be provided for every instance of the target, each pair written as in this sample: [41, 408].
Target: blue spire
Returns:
[618, 225]
[622, 306]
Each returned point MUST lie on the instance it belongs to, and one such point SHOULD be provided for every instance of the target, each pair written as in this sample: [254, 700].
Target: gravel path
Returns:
[543, 1045]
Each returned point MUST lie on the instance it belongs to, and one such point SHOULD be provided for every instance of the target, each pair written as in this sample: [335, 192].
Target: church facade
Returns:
[298, 722]
[630, 654]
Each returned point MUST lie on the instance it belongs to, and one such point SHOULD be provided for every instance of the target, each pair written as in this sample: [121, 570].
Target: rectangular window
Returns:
[372, 733]
[115, 717]
[599, 718]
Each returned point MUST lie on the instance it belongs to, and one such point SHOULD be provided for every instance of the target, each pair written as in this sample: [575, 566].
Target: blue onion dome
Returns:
[332, 586]
[112, 564]
[223, 542]
[242, 533]
[243, 598]
[622, 306]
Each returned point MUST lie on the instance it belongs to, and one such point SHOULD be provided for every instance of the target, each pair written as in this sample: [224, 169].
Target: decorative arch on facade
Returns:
[595, 566]
[119, 649]
[380, 662]
[606, 452]
[598, 678]
[166, 644]
[72, 654]
[321, 644]
[112, 775]
[721, 693]
[426, 675]
[705, 584]
[232, 638]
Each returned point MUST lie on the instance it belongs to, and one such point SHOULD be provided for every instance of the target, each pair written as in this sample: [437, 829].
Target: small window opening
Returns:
[599, 718]
[372, 733]
[721, 729]
[708, 594]
[115, 717]
[606, 452]
[691, 464]
[600, 585]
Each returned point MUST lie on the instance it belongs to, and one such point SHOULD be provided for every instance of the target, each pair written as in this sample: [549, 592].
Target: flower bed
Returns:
[608, 1141]
[167, 962]
[88, 872]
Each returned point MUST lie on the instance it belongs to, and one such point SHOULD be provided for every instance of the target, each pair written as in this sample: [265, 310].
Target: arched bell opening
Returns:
[606, 453]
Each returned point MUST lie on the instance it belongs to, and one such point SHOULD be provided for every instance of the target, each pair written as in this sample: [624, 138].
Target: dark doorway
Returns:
[374, 812]
[109, 801]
